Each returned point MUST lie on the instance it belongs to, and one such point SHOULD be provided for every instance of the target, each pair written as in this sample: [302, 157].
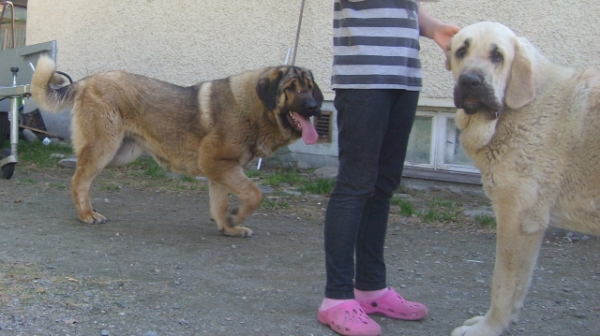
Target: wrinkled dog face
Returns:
[480, 57]
[300, 93]
[295, 96]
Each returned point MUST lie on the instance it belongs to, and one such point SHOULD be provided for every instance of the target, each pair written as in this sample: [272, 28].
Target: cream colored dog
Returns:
[532, 128]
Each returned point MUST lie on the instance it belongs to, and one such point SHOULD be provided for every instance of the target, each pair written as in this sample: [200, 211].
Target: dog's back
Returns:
[578, 202]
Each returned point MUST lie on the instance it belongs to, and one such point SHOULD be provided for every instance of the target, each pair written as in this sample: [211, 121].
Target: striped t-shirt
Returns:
[376, 45]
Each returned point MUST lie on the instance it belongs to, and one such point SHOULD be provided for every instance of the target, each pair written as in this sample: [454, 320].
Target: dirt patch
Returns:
[159, 266]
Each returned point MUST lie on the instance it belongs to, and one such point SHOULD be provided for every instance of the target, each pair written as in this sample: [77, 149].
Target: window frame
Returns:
[439, 138]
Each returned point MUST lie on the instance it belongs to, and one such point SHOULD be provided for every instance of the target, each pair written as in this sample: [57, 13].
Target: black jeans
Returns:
[374, 126]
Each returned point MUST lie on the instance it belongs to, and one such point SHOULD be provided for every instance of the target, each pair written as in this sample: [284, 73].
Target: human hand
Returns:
[443, 33]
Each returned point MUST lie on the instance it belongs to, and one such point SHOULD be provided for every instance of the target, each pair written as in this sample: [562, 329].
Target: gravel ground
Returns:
[159, 266]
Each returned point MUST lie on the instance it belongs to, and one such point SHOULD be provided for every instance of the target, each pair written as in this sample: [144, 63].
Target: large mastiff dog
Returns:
[532, 128]
[212, 128]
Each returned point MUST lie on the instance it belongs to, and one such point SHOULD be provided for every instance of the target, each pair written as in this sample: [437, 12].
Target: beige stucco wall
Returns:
[184, 41]
[181, 41]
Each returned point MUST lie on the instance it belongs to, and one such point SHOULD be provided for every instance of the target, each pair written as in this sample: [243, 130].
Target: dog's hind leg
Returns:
[95, 148]
[219, 202]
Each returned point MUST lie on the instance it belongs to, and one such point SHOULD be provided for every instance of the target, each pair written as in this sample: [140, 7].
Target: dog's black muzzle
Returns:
[472, 94]
[307, 105]
[311, 107]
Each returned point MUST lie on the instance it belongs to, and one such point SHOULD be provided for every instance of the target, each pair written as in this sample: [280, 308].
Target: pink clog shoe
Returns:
[393, 305]
[349, 319]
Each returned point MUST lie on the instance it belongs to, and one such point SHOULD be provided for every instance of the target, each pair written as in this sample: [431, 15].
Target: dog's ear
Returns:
[520, 89]
[268, 86]
[317, 94]
[449, 55]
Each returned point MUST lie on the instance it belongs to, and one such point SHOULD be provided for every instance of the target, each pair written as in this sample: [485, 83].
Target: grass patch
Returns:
[433, 215]
[253, 173]
[439, 210]
[293, 178]
[55, 185]
[272, 204]
[188, 179]
[38, 154]
[147, 166]
[277, 178]
[320, 186]
[27, 180]
[486, 221]
[152, 169]
[440, 203]
[407, 209]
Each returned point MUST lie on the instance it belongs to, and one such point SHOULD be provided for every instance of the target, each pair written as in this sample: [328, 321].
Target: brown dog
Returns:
[213, 128]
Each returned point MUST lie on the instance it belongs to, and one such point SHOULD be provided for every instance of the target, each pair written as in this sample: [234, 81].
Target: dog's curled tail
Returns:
[47, 98]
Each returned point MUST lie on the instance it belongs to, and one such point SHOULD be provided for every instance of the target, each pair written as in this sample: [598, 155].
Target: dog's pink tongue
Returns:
[309, 133]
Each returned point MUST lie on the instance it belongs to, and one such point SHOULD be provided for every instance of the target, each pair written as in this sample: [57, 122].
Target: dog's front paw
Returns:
[93, 218]
[476, 326]
[473, 320]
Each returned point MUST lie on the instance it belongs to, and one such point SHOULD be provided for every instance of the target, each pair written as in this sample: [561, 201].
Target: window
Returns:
[420, 141]
[434, 142]
[453, 153]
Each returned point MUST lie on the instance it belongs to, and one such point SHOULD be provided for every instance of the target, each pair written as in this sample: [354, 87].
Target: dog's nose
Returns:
[470, 80]
[312, 107]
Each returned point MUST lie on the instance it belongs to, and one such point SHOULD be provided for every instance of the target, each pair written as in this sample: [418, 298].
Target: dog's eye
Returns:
[496, 56]
[461, 52]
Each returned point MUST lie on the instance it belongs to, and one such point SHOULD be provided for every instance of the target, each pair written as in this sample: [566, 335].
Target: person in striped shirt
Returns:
[377, 78]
